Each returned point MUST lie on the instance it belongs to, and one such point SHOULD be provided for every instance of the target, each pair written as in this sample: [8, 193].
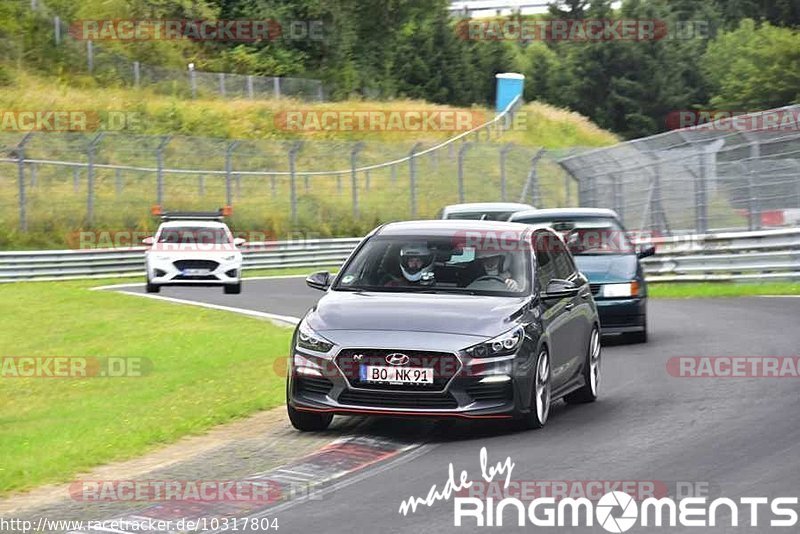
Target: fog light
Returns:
[495, 379]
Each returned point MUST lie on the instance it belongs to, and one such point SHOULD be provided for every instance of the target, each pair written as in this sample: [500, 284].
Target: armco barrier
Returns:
[729, 256]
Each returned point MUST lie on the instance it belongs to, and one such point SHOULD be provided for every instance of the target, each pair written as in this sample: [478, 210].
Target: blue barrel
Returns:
[509, 87]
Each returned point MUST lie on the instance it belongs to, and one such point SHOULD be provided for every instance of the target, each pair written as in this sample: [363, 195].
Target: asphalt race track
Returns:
[730, 437]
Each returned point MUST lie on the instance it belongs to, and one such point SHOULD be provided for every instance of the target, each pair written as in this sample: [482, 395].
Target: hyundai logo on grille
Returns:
[397, 358]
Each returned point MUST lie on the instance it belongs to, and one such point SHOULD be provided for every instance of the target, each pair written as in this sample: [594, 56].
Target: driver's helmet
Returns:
[415, 261]
[493, 261]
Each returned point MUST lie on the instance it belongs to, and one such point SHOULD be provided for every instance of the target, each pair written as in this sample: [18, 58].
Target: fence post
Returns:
[461, 153]
[701, 196]
[273, 186]
[753, 201]
[503, 155]
[238, 186]
[90, 152]
[228, 169]
[57, 29]
[160, 169]
[222, 84]
[412, 178]
[276, 87]
[90, 56]
[354, 178]
[118, 182]
[295, 148]
[250, 93]
[616, 191]
[23, 201]
[201, 185]
[137, 76]
[192, 80]
[532, 183]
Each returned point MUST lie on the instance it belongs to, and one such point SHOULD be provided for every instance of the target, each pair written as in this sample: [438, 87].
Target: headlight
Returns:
[502, 345]
[310, 340]
[630, 289]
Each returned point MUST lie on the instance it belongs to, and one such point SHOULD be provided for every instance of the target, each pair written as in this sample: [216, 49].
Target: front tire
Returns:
[233, 289]
[591, 373]
[540, 403]
[309, 421]
[152, 288]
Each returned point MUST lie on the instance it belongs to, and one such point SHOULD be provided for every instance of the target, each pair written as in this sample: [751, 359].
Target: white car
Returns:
[190, 251]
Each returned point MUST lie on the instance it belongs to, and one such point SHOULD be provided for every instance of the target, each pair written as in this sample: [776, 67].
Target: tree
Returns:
[754, 67]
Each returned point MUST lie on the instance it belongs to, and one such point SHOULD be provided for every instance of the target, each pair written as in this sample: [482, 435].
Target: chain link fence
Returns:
[331, 188]
[735, 173]
[111, 67]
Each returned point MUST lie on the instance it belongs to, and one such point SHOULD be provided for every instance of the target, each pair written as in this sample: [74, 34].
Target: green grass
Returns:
[721, 289]
[208, 367]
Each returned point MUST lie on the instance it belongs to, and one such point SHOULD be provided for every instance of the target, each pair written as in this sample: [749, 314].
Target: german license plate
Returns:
[195, 272]
[396, 375]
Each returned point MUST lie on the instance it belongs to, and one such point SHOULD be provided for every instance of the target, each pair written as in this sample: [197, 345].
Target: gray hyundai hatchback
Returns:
[470, 319]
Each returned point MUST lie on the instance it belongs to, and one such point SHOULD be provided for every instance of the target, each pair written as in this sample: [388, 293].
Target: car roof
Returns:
[194, 223]
[445, 227]
[486, 206]
[576, 213]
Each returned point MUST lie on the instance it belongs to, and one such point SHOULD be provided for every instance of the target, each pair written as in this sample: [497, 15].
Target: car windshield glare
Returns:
[589, 236]
[193, 236]
[439, 264]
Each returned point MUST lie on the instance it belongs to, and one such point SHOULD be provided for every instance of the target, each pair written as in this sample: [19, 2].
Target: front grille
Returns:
[444, 364]
[310, 384]
[209, 277]
[595, 288]
[398, 400]
[182, 265]
[490, 392]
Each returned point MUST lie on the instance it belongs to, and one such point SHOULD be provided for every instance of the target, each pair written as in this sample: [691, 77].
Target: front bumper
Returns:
[619, 316]
[193, 271]
[319, 384]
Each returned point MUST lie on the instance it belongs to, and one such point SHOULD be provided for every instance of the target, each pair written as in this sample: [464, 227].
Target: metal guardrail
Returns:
[730, 256]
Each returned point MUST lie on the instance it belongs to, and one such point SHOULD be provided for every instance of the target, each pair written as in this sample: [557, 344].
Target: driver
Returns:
[493, 264]
[416, 266]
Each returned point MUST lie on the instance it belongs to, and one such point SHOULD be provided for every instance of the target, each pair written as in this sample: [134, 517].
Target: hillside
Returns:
[57, 195]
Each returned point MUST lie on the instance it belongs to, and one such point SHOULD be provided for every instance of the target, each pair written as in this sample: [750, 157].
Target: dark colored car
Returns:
[471, 319]
[605, 254]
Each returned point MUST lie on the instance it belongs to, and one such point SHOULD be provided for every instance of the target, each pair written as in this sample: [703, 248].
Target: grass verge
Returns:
[721, 289]
[208, 367]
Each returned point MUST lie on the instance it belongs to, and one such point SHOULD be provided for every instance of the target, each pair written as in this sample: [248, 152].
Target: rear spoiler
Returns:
[218, 215]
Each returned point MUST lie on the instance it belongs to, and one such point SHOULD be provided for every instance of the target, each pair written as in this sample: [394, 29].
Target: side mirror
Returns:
[239, 241]
[149, 241]
[558, 289]
[320, 280]
[646, 251]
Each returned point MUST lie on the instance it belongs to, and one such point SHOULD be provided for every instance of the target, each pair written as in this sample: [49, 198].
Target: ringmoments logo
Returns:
[615, 511]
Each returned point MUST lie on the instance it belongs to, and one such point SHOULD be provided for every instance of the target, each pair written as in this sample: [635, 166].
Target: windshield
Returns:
[436, 265]
[194, 235]
[589, 236]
